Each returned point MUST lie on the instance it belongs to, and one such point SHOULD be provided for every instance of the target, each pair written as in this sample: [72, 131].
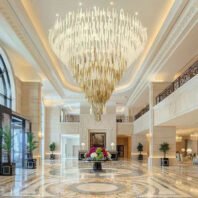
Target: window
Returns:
[5, 87]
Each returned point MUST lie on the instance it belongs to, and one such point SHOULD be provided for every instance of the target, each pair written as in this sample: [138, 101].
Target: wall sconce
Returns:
[189, 150]
[183, 150]
[40, 135]
[178, 139]
[194, 136]
[83, 145]
[148, 136]
[112, 146]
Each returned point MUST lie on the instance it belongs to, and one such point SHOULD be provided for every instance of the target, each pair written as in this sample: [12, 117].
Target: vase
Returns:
[97, 166]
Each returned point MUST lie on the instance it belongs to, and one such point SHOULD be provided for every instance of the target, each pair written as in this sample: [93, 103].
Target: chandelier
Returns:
[97, 45]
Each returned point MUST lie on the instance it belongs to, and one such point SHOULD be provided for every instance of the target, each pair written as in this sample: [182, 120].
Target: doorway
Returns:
[18, 141]
[120, 149]
[124, 146]
[70, 145]
[18, 126]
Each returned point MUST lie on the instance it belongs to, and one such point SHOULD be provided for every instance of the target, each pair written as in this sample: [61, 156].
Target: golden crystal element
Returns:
[98, 45]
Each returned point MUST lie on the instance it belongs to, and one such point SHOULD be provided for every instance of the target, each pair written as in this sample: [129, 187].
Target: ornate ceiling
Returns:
[28, 22]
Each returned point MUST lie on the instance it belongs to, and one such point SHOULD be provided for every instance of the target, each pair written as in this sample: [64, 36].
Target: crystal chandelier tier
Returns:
[98, 45]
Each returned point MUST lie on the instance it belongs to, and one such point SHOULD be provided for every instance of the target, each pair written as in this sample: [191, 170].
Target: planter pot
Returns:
[164, 162]
[8, 169]
[81, 155]
[30, 163]
[0, 168]
[140, 157]
[52, 157]
[97, 166]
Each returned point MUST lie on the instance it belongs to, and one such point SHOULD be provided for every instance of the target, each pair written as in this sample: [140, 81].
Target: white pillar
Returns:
[136, 139]
[159, 134]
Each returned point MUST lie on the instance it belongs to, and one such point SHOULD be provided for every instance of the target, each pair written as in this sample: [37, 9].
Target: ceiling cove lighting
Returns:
[98, 45]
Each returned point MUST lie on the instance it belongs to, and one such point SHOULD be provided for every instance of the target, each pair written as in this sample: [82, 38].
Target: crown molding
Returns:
[28, 42]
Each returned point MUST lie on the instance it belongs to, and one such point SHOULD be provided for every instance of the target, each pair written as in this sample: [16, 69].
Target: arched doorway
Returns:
[7, 85]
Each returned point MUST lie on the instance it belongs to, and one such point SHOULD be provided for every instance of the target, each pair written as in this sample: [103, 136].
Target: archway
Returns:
[7, 82]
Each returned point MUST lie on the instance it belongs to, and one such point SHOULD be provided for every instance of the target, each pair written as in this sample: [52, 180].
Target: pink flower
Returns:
[94, 149]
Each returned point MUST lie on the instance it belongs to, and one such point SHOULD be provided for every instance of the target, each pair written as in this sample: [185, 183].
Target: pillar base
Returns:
[134, 156]
[156, 161]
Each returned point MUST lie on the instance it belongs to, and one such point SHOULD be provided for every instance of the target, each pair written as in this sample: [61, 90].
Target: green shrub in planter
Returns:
[52, 148]
[32, 144]
[1, 137]
[7, 168]
[140, 149]
[164, 147]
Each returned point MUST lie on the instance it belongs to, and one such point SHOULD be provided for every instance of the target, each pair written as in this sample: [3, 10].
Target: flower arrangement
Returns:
[98, 153]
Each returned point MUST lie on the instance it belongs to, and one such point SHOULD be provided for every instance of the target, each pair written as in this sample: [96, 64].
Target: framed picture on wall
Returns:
[98, 139]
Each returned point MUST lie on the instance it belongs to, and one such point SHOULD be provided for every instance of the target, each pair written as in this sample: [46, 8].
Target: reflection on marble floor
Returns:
[119, 179]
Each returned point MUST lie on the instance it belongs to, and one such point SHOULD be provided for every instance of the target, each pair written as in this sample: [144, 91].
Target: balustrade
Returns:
[142, 112]
[181, 80]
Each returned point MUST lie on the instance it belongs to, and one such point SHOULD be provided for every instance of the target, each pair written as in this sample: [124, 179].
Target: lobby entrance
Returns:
[70, 145]
[124, 146]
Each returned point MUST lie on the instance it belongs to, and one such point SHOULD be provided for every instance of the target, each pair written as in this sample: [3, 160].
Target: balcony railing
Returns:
[142, 112]
[70, 118]
[124, 119]
[181, 80]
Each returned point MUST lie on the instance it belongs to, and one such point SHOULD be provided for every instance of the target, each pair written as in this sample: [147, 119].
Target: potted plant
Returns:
[164, 147]
[7, 168]
[52, 148]
[1, 137]
[31, 146]
[97, 155]
[140, 149]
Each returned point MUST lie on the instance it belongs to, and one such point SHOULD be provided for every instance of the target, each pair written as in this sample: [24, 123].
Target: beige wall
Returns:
[182, 101]
[106, 125]
[159, 136]
[123, 128]
[31, 104]
[136, 139]
[54, 129]
[18, 85]
[28, 103]
[180, 145]
[141, 124]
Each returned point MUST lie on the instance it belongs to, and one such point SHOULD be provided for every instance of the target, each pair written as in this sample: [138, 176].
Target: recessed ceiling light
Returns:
[57, 14]
[80, 3]
[111, 3]
[136, 13]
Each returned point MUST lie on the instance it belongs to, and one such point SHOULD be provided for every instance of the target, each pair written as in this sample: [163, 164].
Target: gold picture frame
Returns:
[97, 139]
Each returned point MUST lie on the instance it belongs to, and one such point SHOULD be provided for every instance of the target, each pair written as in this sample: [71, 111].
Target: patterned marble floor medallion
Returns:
[120, 179]
[89, 173]
[97, 188]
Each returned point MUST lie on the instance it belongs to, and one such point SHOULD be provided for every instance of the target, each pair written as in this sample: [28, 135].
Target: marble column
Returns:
[136, 139]
[31, 106]
[159, 134]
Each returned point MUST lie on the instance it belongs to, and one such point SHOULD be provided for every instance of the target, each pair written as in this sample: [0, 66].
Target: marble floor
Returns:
[127, 179]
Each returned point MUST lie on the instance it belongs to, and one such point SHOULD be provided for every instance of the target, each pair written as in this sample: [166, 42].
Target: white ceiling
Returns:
[187, 120]
[37, 17]
[151, 13]
[186, 131]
